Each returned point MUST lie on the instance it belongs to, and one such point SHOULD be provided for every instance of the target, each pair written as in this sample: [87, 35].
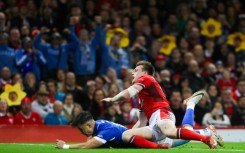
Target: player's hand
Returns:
[107, 99]
[60, 144]
[90, 137]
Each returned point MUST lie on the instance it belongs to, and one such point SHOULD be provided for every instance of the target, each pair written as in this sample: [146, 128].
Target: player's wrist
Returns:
[66, 146]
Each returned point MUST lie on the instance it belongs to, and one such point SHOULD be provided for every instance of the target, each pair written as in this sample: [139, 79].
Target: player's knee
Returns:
[168, 128]
[171, 132]
[126, 136]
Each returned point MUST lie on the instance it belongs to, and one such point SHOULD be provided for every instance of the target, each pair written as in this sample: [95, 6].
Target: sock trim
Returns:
[131, 139]
[178, 133]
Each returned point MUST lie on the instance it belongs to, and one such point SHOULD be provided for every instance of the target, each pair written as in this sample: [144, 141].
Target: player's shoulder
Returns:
[102, 123]
[143, 78]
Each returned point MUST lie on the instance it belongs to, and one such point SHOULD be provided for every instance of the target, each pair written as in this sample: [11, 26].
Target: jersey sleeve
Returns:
[143, 81]
[105, 135]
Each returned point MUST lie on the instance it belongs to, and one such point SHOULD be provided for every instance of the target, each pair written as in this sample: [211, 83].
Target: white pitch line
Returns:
[226, 150]
[27, 144]
[188, 149]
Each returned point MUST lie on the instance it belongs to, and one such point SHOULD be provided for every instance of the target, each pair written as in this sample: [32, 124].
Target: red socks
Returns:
[186, 134]
[141, 142]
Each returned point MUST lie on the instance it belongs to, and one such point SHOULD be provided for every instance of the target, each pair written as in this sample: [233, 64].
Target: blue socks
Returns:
[188, 118]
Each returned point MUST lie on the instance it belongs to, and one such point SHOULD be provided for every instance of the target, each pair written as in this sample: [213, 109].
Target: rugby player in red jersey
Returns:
[156, 110]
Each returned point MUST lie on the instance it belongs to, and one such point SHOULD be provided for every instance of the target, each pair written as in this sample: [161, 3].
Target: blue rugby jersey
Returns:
[106, 131]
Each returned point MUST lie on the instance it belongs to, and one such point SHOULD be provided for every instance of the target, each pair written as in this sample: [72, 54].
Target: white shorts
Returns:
[158, 136]
[161, 115]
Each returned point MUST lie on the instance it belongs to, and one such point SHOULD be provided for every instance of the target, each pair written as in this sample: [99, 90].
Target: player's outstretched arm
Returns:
[125, 94]
[91, 143]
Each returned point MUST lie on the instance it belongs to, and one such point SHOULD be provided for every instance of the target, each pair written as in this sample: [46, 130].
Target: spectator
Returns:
[84, 64]
[227, 81]
[7, 54]
[139, 51]
[175, 63]
[238, 117]
[184, 83]
[56, 53]
[228, 103]
[25, 31]
[188, 56]
[198, 53]
[113, 55]
[203, 107]
[98, 107]
[30, 84]
[72, 87]
[5, 117]
[165, 81]
[29, 59]
[213, 93]
[240, 89]
[160, 62]
[68, 106]
[113, 79]
[61, 80]
[83, 22]
[113, 113]
[56, 118]
[130, 114]
[26, 116]
[3, 26]
[184, 47]
[42, 104]
[101, 83]
[194, 37]
[186, 93]
[87, 95]
[75, 111]
[13, 95]
[14, 38]
[5, 77]
[53, 93]
[171, 27]
[113, 90]
[194, 76]
[47, 18]
[176, 105]
[211, 73]
[216, 117]
[156, 31]
[22, 18]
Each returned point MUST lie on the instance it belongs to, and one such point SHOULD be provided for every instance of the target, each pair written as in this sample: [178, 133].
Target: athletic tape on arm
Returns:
[132, 91]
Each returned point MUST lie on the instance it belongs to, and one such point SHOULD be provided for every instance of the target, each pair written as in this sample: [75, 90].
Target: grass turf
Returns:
[49, 148]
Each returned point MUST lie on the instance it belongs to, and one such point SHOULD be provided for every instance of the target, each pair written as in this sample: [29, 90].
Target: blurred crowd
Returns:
[61, 57]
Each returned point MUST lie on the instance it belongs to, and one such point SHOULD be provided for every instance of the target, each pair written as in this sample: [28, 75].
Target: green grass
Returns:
[49, 148]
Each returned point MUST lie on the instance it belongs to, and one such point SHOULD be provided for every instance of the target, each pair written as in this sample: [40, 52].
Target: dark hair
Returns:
[52, 81]
[241, 79]
[239, 98]
[82, 118]
[147, 66]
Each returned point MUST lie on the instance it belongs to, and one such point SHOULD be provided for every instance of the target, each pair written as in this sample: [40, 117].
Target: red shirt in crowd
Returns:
[227, 84]
[6, 120]
[33, 119]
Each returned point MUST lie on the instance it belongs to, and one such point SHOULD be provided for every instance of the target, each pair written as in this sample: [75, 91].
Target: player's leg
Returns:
[141, 137]
[168, 128]
[188, 123]
[188, 120]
